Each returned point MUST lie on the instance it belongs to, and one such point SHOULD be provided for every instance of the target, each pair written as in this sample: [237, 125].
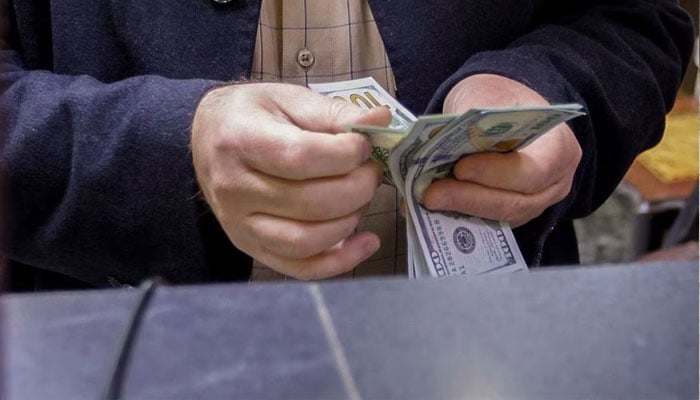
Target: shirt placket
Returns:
[294, 40]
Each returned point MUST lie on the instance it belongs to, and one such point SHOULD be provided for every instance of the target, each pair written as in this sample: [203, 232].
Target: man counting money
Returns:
[133, 147]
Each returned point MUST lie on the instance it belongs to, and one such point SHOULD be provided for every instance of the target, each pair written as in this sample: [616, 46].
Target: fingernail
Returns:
[372, 246]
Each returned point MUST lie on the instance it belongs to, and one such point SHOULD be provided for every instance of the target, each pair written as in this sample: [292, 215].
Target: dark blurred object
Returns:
[681, 241]
[614, 332]
[25, 278]
[4, 273]
[686, 224]
[688, 85]
[657, 202]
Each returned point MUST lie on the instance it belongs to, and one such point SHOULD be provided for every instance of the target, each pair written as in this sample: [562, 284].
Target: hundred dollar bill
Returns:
[417, 265]
[367, 93]
[424, 129]
[414, 152]
[393, 148]
[455, 244]
[383, 141]
[496, 129]
[462, 245]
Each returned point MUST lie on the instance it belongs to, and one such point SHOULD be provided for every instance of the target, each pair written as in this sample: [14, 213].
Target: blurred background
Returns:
[660, 190]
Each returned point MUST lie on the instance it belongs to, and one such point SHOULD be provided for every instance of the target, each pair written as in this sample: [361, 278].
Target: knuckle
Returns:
[220, 183]
[295, 243]
[354, 149]
[306, 275]
[223, 182]
[577, 152]
[350, 224]
[362, 187]
[337, 108]
[223, 142]
[509, 216]
[466, 169]
[294, 157]
[522, 220]
[537, 183]
[316, 207]
[563, 190]
[518, 207]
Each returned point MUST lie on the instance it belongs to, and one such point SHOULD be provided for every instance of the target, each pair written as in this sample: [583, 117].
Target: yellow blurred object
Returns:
[675, 158]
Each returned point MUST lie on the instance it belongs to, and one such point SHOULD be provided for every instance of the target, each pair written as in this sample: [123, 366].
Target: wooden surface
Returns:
[651, 190]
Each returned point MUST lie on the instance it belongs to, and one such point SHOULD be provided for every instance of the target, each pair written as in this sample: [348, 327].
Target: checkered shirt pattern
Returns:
[317, 41]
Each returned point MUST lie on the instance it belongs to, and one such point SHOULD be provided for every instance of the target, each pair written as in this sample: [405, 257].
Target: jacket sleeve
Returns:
[623, 60]
[99, 177]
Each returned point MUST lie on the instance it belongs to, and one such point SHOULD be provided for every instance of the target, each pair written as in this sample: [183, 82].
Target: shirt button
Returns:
[222, 1]
[305, 58]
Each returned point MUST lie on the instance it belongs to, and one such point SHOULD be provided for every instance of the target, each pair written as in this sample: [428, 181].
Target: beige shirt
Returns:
[316, 41]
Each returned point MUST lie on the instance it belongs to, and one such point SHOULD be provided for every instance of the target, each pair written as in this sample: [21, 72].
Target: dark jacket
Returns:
[99, 95]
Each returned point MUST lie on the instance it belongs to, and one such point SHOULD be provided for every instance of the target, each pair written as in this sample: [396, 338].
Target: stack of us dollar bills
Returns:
[416, 151]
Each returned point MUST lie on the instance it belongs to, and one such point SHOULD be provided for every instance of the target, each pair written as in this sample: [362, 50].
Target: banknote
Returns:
[367, 93]
[417, 265]
[383, 141]
[497, 130]
[456, 244]
[419, 133]
[393, 148]
[464, 245]
[416, 151]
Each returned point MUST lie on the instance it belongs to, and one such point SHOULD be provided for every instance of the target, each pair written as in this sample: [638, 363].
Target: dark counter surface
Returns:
[622, 331]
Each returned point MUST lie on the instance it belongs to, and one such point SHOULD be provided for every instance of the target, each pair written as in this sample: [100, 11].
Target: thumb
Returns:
[350, 114]
[340, 114]
[333, 115]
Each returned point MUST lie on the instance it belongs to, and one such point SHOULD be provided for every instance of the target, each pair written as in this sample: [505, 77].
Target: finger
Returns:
[318, 113]
[301, 239]
[473, 199]
[341, 114]
[288, 152]
[551, 158]
[282, 130]
[310, 200]
[340, 258]
[514, 171]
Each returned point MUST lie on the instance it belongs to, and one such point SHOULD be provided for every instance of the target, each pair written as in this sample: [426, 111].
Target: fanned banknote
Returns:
[416, 151]
[454, 244]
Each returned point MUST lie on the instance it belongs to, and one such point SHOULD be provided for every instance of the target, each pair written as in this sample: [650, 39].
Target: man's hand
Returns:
[284, 179]
[514, 187]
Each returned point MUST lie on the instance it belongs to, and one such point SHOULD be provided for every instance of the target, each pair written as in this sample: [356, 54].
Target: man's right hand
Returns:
[283, 177]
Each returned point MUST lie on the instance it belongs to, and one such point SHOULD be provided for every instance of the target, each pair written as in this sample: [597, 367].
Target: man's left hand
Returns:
[513, 187]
